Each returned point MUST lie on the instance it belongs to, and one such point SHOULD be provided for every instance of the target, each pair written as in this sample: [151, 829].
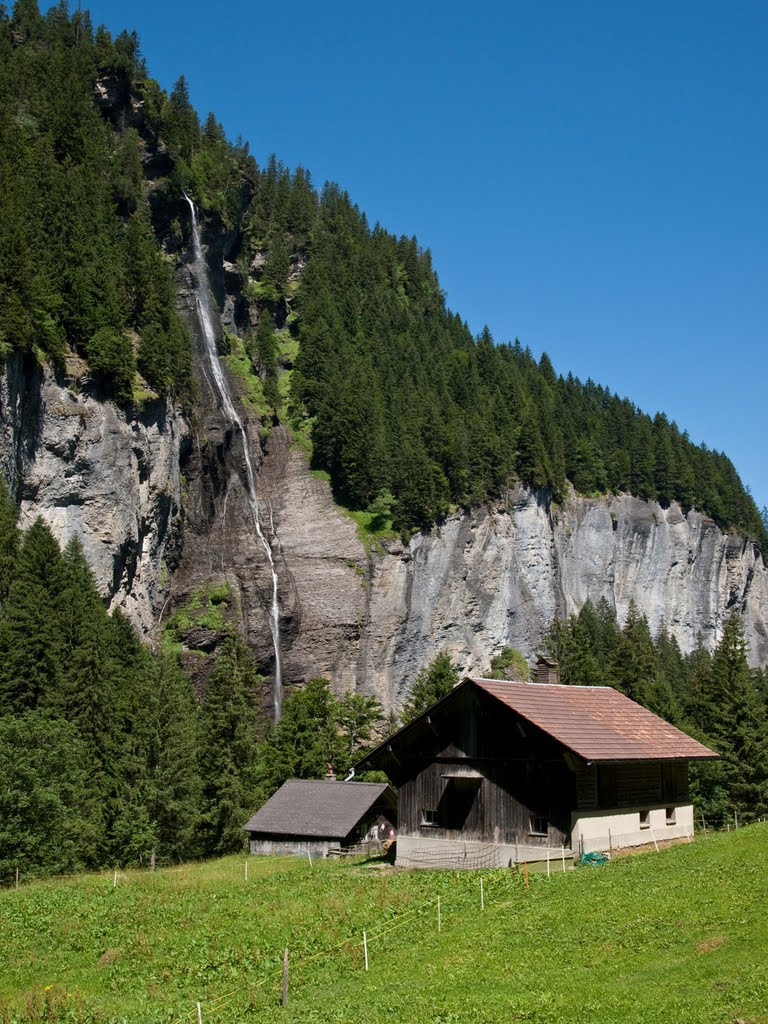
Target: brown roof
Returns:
[319, 808]
[596, 722]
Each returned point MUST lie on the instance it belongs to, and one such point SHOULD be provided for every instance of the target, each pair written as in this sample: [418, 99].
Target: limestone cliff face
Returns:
[95, 472]
[369, 620]
[490, 579]
[162, 510]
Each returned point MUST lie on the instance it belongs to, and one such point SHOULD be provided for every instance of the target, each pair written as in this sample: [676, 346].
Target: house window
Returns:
[645, 819]
[671, 820]
[430, 817]
[538, 825]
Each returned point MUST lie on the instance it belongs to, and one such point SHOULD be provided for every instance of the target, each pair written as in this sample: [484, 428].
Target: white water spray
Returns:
[221, 386]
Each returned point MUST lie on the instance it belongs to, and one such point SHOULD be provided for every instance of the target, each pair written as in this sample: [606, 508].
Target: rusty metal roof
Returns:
[316, 807]
[596, 722]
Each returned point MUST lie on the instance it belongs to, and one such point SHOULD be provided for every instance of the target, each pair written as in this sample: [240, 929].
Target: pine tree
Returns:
[43, 787]
[31, 655]
[9, 540]
[634, 663]
[736, 721]
[432, 683]
[230, 727]
[174, 757]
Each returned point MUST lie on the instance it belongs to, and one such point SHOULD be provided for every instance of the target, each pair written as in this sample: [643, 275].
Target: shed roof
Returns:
[316, 807]
[596, 722]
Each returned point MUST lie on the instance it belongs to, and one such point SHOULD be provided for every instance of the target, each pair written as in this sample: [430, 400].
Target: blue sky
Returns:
[591, 177]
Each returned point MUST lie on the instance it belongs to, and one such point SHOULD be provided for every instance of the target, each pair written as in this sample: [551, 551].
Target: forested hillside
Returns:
[400, 404]
[108, 754]
[714, 697]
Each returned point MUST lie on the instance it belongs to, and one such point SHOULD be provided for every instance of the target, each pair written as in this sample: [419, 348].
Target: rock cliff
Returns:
[160, 506]
[95, 472]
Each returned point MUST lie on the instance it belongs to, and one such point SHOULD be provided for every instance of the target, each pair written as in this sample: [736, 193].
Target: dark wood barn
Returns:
[498, 772]
[318, 817]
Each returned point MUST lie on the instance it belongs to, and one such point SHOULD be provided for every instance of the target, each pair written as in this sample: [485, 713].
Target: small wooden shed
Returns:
[318, 817]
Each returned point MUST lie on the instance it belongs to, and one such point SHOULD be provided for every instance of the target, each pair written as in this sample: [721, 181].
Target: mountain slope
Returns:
[509, 487]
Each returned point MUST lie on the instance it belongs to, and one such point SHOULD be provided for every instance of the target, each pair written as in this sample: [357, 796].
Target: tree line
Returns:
[715, 697]
[108, 756]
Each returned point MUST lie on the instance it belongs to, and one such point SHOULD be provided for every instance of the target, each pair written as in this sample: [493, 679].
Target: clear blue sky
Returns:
[591, 177]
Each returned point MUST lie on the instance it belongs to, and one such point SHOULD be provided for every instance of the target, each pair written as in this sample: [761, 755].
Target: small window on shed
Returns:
[671, 820]
[430, 817]
[538, 825]
[645, 819]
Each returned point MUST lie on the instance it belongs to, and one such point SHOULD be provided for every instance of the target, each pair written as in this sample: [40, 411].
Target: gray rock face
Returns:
[491, 579]
[95, 473]
[367, 619]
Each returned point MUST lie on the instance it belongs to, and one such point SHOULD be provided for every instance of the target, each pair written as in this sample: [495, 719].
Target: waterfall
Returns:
[220, 386]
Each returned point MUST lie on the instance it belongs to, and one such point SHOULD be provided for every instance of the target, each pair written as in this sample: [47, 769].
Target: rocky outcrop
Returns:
[367, 617]
[97, 472]
[497, 578]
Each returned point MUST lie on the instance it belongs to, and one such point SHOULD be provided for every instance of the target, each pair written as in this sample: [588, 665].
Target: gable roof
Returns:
[596, 722]
[316, 807]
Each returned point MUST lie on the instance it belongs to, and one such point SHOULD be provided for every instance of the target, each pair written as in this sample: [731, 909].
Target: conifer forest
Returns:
[109, 752]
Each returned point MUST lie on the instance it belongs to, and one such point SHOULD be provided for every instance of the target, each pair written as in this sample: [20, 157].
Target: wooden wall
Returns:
[512, 773]
[515, 777]
[630, 785]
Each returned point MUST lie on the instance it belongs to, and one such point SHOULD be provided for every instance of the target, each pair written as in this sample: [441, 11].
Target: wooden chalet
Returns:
[321, 817]
[499, 772]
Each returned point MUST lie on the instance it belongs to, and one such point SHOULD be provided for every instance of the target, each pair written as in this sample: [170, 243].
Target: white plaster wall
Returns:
[601, 830]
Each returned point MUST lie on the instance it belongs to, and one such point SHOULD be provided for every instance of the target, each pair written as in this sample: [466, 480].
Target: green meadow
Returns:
[678, 935]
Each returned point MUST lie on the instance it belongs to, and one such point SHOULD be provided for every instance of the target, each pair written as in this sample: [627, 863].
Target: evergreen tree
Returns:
[432, 683]
[230, 726]
[43, 785]
[735, 720]
[634, 661]
[31, 655]
[173, 762]
[9, 541]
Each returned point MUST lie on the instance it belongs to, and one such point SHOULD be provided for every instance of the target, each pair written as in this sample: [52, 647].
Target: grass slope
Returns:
[680, 935]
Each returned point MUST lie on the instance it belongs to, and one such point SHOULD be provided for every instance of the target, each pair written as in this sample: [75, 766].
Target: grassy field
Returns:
[675, 936]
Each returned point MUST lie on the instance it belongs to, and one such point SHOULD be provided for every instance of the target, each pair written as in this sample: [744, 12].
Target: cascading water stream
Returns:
[220, 385]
